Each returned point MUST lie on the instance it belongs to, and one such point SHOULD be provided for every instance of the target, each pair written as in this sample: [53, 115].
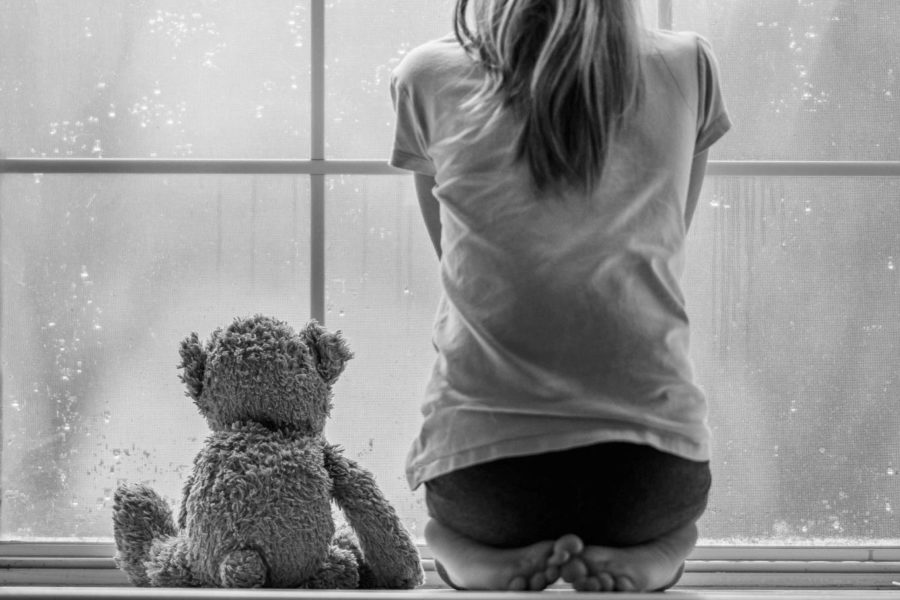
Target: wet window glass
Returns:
[792, 283]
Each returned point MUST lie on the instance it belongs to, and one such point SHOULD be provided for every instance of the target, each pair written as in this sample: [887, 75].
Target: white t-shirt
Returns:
[562, 322]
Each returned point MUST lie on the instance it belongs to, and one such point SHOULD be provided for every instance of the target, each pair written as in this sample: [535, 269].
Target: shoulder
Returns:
[432, 61]
[683, 56]
[674, 45]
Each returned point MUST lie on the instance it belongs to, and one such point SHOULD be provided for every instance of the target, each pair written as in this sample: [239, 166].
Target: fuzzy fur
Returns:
[256, 509]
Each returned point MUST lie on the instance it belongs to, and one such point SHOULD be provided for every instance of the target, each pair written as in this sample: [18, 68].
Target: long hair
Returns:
[569, 69]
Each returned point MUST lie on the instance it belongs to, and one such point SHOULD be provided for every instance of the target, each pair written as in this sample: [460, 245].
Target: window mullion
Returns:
[317, 153]
[665, 18]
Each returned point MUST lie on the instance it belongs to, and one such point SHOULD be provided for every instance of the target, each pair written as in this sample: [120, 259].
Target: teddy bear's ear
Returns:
[329, 350]
[193, 361]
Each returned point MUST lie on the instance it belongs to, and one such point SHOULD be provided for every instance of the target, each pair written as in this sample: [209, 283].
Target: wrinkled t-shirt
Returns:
[562, 321]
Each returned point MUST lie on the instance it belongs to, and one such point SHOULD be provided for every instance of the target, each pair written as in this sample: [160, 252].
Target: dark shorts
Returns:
[610, 494]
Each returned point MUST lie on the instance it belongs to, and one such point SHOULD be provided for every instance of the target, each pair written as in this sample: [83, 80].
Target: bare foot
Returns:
[474, 566]
[642, 568]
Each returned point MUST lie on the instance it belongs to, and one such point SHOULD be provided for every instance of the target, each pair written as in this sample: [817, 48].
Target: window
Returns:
[169, 165]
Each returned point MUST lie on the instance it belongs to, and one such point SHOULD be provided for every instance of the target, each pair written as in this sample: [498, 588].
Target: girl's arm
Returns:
[698, 172]
[430, 209]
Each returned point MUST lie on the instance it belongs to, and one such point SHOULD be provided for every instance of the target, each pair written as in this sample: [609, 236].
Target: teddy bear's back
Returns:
[263, 490]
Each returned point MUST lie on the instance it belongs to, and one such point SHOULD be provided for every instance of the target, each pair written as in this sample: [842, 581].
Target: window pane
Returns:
[805, 80]
[365, 40]
[102, 277]
[793, 288]
[166, 78]
[382, 291]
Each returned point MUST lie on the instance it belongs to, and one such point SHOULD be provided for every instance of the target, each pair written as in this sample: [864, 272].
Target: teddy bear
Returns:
[256, 510]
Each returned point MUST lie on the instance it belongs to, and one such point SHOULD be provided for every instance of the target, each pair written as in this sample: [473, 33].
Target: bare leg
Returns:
[642, 568]
[475, 566]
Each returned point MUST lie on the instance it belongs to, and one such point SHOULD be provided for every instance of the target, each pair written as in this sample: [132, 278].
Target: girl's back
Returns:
[562, 318]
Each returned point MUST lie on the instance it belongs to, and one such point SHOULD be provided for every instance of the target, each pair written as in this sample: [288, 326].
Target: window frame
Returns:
[88, 563]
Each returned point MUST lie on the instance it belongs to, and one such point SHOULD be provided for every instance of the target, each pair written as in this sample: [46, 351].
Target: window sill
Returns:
[732, 567]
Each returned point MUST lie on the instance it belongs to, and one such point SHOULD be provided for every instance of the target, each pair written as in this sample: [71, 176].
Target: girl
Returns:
[558, 152]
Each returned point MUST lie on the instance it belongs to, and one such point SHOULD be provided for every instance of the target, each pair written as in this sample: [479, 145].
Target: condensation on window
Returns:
[805, 80]
[791, 282]
[102, 277]
[793, 288]
[186, 79]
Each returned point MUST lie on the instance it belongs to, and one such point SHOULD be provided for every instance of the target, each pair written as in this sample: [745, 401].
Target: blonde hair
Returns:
[570, 69]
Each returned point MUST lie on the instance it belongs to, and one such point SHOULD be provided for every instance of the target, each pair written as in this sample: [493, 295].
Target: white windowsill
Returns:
[733, 567]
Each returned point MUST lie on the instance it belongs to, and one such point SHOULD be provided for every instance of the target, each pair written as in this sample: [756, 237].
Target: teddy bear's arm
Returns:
[387, 547]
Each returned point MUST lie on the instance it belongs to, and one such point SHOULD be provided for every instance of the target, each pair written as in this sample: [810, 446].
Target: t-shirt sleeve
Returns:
[410, 132]
[712, 116]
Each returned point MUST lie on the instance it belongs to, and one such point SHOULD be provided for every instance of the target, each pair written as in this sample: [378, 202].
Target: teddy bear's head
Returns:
[258, 369]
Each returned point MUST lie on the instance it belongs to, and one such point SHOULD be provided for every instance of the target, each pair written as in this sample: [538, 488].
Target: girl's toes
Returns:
[551, 573]
[607, 583]
[588, 584]
[574, 570]
[565, 548]
[538, 581]
[625, 584]
[518, 584]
